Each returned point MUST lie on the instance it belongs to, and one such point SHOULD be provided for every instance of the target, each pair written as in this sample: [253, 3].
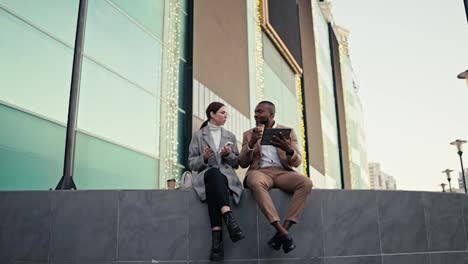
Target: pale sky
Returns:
[406, 55]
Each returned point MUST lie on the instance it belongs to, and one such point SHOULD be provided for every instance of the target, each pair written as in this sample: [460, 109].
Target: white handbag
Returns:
[186, 180]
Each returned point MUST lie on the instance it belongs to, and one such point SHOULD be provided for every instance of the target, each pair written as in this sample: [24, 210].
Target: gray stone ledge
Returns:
[172, 226]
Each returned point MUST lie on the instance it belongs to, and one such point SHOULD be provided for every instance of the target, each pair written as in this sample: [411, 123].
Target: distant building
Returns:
[379, 180]
[389, 182]
[375, 176]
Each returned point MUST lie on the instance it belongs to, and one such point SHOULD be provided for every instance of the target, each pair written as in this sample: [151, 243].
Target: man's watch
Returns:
[290, 152]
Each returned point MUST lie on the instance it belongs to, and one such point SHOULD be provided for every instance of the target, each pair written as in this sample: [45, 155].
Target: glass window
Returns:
[207, 100]
[148, 13]
[36, 69]
[183, 98]
[114, 40]
[102, 165]
[31, 151]
[281, 88]
[183, 136]
[201, 99]
[183, 5]
[278, 65]
[182, 35]
[119, 107]
[196, 100]
[57, 17]
[114, 109]
[35, 84]
[119, 111]
[286, 102]
[327, 96]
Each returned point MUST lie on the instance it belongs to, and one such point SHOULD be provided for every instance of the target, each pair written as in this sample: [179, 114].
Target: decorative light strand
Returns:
[259, 78]
[172, 95]
[303, 129]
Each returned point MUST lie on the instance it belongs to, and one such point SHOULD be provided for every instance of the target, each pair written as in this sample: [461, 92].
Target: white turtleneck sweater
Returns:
[215, 132]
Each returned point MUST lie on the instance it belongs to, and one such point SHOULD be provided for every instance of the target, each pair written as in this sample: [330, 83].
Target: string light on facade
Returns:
[259, 81]
[172, 95]
[303, 129]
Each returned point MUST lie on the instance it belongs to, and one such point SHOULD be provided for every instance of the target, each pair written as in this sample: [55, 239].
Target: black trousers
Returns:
[217, 194]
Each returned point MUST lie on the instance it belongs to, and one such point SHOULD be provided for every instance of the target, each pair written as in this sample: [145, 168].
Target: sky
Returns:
[406, 56]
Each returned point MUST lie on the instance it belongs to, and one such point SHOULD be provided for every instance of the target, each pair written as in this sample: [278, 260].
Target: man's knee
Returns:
[257, 185]
[307, 184]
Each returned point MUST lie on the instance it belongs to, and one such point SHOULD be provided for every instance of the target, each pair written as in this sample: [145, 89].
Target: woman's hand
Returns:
[226, 150]
[207, 153]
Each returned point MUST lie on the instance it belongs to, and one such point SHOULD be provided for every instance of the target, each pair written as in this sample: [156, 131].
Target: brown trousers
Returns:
[262, 180]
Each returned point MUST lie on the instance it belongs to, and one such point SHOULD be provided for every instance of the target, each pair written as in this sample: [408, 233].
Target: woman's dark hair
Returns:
[213, 107]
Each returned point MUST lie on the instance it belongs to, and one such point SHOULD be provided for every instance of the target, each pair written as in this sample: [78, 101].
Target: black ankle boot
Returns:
[235, 233]
[287, 242]
[217, 248]
[275, 242]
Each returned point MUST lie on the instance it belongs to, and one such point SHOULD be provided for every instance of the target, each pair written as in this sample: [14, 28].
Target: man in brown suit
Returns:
[272, 166]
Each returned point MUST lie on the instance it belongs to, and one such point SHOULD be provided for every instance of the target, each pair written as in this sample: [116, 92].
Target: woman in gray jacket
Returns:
[213, 158]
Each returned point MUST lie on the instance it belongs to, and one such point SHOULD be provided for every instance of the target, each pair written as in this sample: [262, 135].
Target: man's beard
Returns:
[263, 121]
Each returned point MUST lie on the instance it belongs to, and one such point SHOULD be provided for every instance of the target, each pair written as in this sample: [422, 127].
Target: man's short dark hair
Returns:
[272, 106]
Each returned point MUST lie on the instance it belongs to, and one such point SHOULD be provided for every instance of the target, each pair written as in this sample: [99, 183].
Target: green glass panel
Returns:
[333, 161]
[327, 95]
[287, 105]
[116, 110]
[103, 165]
[354, 125]
[358, 182]
[183, 137]
[148, 13]
[58, 17]
[183, 98]
[183, 35]
[278, 65]
[117, 42]
[183, 5]
[35, 69]
[31, 151]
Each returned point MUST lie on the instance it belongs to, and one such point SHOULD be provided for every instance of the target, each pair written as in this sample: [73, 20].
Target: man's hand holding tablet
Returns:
[272, 135]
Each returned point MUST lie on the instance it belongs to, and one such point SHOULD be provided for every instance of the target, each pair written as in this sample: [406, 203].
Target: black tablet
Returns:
[270, 132]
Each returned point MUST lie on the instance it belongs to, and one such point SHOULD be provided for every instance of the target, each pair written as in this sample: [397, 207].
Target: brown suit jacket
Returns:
[252, 158]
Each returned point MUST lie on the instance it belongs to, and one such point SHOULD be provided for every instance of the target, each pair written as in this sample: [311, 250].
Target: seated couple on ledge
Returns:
[214, 157]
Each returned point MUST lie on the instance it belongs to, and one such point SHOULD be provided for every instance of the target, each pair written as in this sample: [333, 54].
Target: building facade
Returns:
[375, 176]
[132, 60]
[379, 180]
[149, 69]
[390, 182]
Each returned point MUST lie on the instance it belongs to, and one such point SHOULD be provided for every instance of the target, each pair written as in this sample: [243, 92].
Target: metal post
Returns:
[447, 172]
[460, 153]
[443, 186]
[66, 182]
[466, 9]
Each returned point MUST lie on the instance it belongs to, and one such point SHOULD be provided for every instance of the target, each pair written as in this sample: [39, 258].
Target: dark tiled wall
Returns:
[162, 226]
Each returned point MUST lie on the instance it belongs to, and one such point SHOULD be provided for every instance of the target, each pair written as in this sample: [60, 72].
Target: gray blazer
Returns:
[201, 139]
